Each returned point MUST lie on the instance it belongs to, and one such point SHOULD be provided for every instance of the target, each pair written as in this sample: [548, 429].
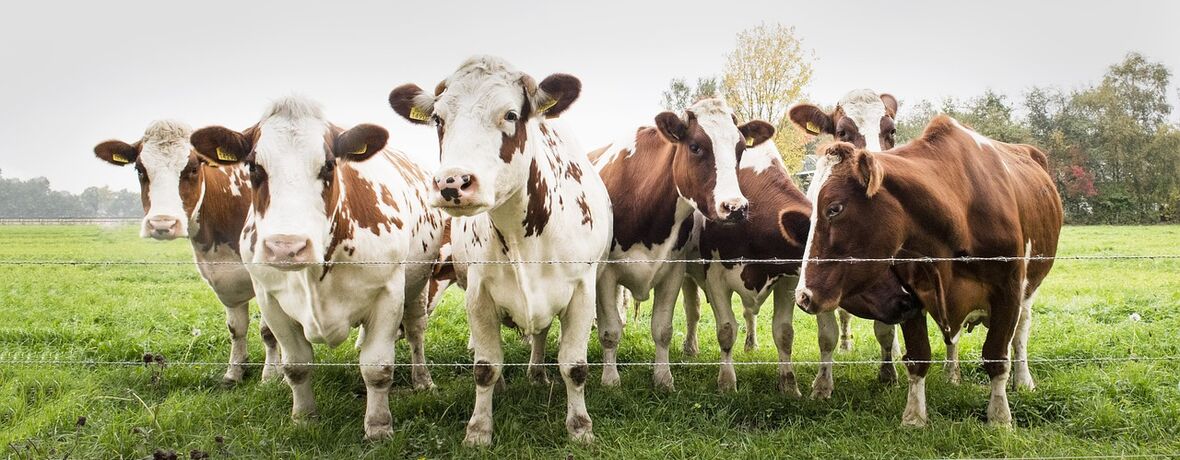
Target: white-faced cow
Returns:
[664, 181]
[777, 227]
[186, 197]
[950, 193]
[328, 201]
[523, 192]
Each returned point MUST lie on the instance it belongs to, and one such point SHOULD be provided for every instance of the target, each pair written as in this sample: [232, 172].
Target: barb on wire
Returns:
[772, 261]
[28, 361]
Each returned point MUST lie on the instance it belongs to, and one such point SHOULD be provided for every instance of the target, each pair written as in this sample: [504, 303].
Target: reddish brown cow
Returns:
[950, 193]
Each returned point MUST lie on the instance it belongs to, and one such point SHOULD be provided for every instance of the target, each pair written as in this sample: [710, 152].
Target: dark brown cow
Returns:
[185, 196]
[950, 193]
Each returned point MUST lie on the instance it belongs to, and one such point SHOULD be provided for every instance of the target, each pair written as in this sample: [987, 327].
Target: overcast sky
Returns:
[77, 73]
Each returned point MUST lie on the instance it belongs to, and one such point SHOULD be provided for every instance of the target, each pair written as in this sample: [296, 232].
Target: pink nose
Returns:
[456, 188]
[163, 227]
[803, 300]
[733, 210]
[289, 252]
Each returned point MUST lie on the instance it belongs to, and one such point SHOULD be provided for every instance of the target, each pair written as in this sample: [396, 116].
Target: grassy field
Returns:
[121, 312]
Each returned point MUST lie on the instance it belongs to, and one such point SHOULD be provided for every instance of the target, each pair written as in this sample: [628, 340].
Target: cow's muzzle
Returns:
[287, 252]
[163, 228]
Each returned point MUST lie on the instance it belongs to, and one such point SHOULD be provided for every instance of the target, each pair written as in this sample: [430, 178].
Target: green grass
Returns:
[121, 312]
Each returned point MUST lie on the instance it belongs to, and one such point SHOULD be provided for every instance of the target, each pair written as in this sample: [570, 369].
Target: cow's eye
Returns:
[694, 148]
[511, 116]
[841, 134]
[835, 209]
[142, 175]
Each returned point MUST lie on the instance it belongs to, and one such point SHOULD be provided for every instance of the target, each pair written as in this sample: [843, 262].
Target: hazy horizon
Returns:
[105, 71]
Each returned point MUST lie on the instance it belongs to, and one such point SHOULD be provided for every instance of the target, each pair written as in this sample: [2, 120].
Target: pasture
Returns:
[1087, 309]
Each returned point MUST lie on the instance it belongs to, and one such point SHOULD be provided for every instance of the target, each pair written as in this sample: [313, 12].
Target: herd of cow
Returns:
[296, 212]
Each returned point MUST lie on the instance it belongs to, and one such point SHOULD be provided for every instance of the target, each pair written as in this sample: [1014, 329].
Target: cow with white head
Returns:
[524, 195]
[185, 196]
[328, 203]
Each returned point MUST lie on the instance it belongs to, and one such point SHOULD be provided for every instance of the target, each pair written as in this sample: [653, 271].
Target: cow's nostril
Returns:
[451, 180]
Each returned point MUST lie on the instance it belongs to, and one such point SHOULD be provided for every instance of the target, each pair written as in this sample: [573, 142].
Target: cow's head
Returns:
[292, 155]
[853, 216]
[170, 184]
[482, 113]
[862, 118]
[709, 145]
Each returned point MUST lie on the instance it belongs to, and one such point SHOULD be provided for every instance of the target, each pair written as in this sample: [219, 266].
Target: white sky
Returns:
[77, 73]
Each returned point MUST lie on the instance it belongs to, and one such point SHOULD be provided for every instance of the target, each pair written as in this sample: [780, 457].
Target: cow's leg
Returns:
[1021, 377]
[750, 314]
[1004, 315]
[297, 356]
[663, 306]
[887, 339]
[489, 357]
[821, 387]
[571, 354]
[846, 340]
[270, 370]
[953, 375]
[414, 324]
[377, 355]
[610, 327]
[917, 362]
[237, 320]
[692, 316]
[537, 372]
[784, 337]
[720, 298]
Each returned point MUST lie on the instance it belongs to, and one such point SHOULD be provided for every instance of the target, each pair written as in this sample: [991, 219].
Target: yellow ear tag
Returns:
[749, 142]
[812, 128]
[119, 158]
[225, 156]
[361, 151]
[547, 106]
[418, 114]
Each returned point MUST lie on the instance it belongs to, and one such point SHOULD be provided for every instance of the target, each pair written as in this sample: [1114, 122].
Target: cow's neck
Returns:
[219, 215]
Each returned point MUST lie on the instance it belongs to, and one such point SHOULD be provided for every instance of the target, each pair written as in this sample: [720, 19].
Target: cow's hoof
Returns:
[375, 433]
[913, 420]
[477, 438]
[751, 343]
[580, 429]
[663, 380]
[271, 374]
[690, 347]
[424, 385]
[305, 419]
[610, 377]
[232, 377]
[787, 386]
[823, 391]
[538, 376]
[1023, 382]
[727, 381]
[846, 344]
[887, 374]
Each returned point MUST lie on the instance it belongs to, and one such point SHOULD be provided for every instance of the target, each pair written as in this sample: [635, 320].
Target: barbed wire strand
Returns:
[770, 261]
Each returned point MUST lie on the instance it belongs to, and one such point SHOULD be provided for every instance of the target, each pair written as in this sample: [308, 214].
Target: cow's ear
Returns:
[222, 145]
[812, 119]
[360, 142]
[671, 126]
[756, 132]
[556, 93]
[794, 225]
[890, 105]
[413, 104]
[869, 171]
[839, 150]
[117, 153]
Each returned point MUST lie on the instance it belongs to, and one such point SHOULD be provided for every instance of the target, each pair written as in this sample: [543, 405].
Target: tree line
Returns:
[1114, 152]
[33, 198]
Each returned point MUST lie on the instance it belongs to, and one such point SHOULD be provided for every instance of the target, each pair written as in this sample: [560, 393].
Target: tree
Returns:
[680, 94]
[764, 75]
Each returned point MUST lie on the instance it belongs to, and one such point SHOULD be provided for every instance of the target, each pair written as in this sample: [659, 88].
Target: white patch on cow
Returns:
[823, 171]
[865, 108]
[614, 149]
[980, 140]
[164, 155]
[716, 118]
[915, 405]
[290, 149]
[761, 157]
[235, 183]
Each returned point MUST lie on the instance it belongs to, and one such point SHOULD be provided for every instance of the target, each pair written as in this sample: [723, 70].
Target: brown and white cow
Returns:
[326, 202]
[777, 227]
[523, 194]
[664, 182]
[950, 193]
[185, 196]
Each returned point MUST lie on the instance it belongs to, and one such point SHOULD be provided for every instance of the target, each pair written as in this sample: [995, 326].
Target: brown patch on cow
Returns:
[536, 214]
[222, 214]
[144, 183]
[587, 216]
[511, 145]
[500, 238]
[579, 373]
[685, 232]
[268, 337]
[484, 373]
[642, 195]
